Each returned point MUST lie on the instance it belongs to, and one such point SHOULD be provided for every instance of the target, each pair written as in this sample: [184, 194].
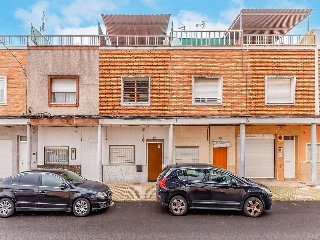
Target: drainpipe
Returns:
[316, 80]
[28, 163]
[170, 144]
[99, 155]
[314, 156]
[242, 149]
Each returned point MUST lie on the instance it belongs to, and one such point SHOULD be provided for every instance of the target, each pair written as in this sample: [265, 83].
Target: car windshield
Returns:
[72, 177]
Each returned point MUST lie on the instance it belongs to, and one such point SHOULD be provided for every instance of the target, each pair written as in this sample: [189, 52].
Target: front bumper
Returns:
[101, 204]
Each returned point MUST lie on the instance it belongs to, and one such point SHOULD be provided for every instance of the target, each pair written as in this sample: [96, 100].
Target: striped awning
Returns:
[268, 21]
[136, 25]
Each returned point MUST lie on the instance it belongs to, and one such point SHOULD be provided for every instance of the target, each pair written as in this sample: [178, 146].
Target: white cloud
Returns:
[33, 16]
[190, 19]
[78, 16]
[91, 30]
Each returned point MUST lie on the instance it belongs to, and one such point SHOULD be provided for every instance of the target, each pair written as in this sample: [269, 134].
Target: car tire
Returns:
[178, 205]
[6, 207]
[81, 207]
[253, 207]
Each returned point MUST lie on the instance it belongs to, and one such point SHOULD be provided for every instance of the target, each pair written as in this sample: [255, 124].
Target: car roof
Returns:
[192, 165]
[43, 170]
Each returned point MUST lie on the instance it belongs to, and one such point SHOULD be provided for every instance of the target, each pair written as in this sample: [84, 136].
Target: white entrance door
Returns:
[5, 158]
[89, 160]
[289, 158]
[23, 152]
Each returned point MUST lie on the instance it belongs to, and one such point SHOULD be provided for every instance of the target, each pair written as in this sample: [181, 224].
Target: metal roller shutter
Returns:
[5, 158]
[259, 157]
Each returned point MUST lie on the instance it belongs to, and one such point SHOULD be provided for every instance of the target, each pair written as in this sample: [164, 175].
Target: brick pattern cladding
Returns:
[171, 74]
[16, 81]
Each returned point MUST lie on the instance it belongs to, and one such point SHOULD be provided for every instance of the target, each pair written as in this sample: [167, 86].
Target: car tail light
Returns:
[162, 182]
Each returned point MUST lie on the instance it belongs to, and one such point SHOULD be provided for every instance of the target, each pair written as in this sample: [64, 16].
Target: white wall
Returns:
[131, 135]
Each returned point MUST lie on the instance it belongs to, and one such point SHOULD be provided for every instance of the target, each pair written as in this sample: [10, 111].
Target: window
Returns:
[280, 90]
[135, 90]
[49, 180]
[207, 90]
[308, 150]
[187, 154]
[195, 174]
[3, 90]
[121, 154]
[219, 176]
[63, 91]
[26, 179]
[56, 155]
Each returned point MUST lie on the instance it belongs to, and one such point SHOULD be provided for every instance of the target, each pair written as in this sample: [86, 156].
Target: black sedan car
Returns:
[52, 190]
[204, 186]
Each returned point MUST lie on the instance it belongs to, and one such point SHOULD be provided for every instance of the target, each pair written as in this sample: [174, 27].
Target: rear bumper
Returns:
[162, 197]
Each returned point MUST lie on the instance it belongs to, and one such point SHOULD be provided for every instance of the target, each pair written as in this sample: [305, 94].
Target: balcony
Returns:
[175, 39]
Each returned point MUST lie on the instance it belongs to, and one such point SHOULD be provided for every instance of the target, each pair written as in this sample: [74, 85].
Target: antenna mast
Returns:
[43, 23]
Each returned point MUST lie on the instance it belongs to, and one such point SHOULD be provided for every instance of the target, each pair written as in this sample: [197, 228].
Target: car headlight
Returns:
[267, 190]
[101, 195]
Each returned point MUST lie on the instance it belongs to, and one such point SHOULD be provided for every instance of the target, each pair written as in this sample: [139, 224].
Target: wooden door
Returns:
[154, 160]
[220, 157]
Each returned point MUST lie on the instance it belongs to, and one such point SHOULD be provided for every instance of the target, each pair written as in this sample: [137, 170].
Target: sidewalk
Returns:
[281, 191]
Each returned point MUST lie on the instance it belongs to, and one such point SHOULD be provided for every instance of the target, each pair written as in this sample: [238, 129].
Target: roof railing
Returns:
[176, 39]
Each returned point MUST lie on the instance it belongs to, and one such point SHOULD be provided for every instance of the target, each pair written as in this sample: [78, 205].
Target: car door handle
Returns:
[18, 190]
[43, 192]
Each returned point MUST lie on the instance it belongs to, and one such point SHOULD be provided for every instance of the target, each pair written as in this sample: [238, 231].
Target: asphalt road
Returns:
[148, 220]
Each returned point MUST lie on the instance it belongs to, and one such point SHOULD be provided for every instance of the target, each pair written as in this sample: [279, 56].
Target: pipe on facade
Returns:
[314, 156]
[170, 143]
[28, 163]
[242, 149]
[316, 80]
[99, 154]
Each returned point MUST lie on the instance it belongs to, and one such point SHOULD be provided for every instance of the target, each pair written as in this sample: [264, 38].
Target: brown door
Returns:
[154, 160]
[220, 157]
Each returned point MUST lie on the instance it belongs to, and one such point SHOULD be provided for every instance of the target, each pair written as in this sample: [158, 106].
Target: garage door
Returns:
[5, 158]
[259, 157]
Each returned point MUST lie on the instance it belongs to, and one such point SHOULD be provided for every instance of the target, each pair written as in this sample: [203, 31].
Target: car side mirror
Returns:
[63, 186]
[234, 183]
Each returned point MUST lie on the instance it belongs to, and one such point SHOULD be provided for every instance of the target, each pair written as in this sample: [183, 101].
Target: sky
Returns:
[67, 17]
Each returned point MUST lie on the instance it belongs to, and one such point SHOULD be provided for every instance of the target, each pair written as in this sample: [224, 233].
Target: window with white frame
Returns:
[3, 90]
[121, 154]
[186, 154]
[135, 90]
[56, 155]
[207, 90]
[63, 90]
[280, 90]
[308, 150]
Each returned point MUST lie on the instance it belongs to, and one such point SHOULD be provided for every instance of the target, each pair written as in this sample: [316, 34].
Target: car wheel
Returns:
[6, 207]
[253, 207]
[81, 207]
[178, 205]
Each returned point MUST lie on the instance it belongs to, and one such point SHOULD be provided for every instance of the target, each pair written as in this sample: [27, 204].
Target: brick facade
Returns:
[16, 81]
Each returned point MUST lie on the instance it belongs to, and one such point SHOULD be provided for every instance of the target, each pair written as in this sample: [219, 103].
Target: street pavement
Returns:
[281, 191]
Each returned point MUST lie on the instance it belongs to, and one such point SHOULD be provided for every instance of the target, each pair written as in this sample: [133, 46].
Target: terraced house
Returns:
[121, 106]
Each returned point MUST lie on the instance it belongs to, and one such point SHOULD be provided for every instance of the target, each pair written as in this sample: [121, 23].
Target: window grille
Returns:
[56, 155]
[121, 154]
[187, 154]
[309, 157]
[135, 90]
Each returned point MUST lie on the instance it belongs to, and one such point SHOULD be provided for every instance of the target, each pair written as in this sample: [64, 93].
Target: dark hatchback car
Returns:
[52, 190]
[204, 186]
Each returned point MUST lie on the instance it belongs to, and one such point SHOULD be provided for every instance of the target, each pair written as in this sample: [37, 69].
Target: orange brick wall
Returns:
[171, 71]
[16, 81]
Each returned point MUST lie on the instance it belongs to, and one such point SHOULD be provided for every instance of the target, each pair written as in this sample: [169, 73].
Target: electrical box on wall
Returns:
[34, 157]
[279, 152]
[73, 154]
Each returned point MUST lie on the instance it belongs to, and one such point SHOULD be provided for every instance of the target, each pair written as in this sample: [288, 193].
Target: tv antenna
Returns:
[202, 24]
[182, 27]
[43, 22]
